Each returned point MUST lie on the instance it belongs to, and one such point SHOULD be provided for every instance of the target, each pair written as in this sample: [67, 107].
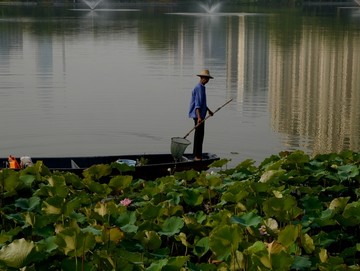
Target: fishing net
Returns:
[178, 147]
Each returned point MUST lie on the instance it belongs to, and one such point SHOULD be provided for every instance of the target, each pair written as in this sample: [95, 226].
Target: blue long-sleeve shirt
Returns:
[198, 100]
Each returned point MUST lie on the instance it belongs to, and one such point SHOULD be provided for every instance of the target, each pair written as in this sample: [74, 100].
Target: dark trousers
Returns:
[198, 139]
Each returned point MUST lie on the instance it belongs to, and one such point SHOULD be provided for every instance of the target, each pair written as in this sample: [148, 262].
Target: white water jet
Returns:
[211, 6]
[92, 4]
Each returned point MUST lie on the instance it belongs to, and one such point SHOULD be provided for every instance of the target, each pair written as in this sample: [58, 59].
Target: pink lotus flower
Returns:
[126, 202]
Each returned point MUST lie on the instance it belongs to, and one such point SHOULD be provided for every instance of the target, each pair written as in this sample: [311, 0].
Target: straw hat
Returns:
[205, 73]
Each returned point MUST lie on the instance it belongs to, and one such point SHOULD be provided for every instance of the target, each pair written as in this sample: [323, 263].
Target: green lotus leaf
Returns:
[339, 204]
[149, 239]
[57, 186]
[157, 265]
[260, 187]
[307, 243]
[17, 254]
[282, 208]
[101, 190]
[10, 181]
[27, 204]
[193, 197]
[301, 263]
[27, 179]
[120, 182]
[311, 204]
[97, 171]
[102, 208]
[115, 235]
[150, 211]
[53, 206]
[9, 235]
[224, 240]
[352, 210]
[122, 167]
[347, 171]
[186, 175]
[295, 160]
[183, 239]
[92, 230]
[73, 242]
[126, 218]
[247, 220]
[30, 218]
[256, 248]
[219, 163]
[326, 218]
[171, 226]
[271, 176]
[175, 263]
[48, 244]
[201, 247]
[235, 193]
[289, 234]
[209, 180]
[71, 205]
[174, 197]
[281, 261]
[74, 180]
[127, 221]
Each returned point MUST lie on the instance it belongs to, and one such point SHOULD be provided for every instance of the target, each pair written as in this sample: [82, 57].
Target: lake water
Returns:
[75, 81]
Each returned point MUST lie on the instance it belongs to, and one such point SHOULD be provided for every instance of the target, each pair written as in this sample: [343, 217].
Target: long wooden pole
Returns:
[206, 118]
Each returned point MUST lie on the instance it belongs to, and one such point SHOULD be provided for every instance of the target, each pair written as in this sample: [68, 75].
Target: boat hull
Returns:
[156, 165]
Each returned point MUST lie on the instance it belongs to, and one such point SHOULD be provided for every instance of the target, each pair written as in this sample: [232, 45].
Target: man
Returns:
[198, 110]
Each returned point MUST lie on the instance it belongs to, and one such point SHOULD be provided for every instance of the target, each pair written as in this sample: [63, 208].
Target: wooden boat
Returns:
[152, 166]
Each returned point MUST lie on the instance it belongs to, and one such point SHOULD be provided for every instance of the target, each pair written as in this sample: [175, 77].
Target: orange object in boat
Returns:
[13, 163]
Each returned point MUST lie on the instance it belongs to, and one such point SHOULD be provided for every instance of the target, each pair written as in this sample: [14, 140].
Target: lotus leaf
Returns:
[308, 208]
[10, 182]
[201, 247]
[149, 239]
[74, 243]
[235, 193]
[347, 171]
[115, 235]
[28, 204]
[175, 263]
[171, 226]
[186, 175]
[339, 204]
[53, 206]
[248, 220]
[301, 263]
[224, 240]
[193, 197]
[219, 163]
[27, 179]
[17, 254]
[289, 234]
[157, 265]
[119, 183]
[9, 235]
[96, 172]
[150, 211]
[281, 261]
[307, 243]
[282, 208]
[272, 176]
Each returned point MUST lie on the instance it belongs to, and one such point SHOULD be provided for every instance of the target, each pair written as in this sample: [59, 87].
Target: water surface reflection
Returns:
[96, 82]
